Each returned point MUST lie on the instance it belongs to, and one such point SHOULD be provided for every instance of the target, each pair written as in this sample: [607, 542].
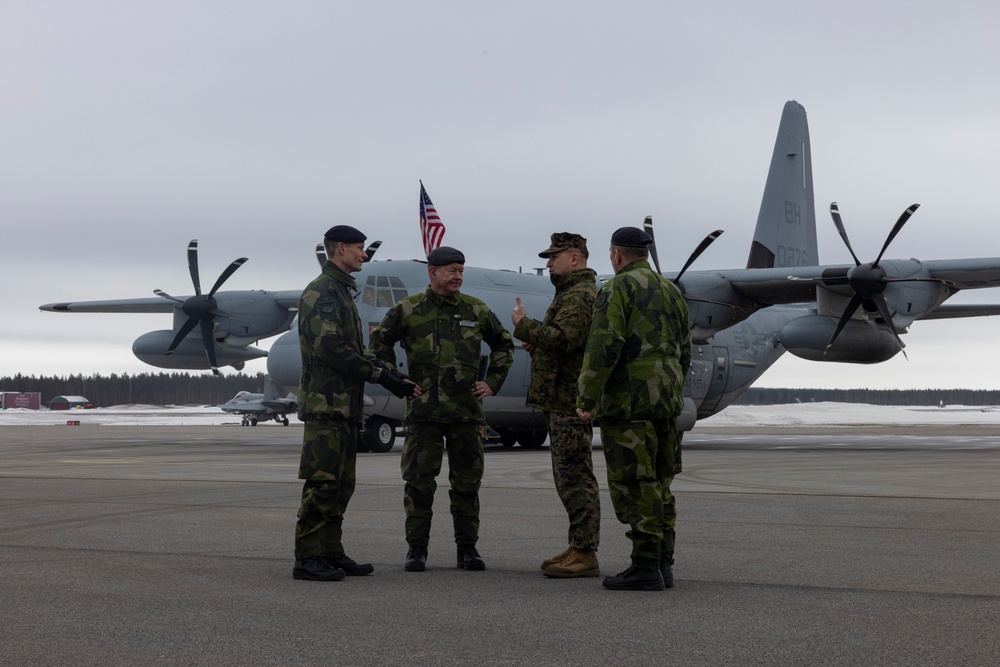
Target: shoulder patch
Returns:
[602, 299]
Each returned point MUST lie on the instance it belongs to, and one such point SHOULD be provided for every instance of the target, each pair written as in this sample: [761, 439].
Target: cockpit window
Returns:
[383, 291]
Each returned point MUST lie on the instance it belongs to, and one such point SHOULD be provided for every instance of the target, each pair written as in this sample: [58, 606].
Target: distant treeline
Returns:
[205, 389]
[144, 388]
[765, 396]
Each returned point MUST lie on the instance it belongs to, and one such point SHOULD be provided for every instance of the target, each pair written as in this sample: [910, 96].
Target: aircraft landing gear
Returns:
[380, 434]
[245, 422]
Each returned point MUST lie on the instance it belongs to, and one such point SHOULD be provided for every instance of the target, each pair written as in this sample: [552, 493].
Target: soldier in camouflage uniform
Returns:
[441, 331]
[334, 371]
[556, 345]
[633, 372]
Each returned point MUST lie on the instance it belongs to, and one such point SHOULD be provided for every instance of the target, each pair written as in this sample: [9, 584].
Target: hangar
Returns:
[69, 402]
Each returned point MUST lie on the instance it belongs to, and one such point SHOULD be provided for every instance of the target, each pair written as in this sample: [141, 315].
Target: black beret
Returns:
[564, 240]
[630, 237]
[344, 234]
[445, 255]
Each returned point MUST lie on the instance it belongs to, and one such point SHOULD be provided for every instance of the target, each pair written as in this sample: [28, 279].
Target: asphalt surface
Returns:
[172, 546]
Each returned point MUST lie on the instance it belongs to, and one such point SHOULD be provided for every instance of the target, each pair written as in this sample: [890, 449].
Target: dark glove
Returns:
[396, 383]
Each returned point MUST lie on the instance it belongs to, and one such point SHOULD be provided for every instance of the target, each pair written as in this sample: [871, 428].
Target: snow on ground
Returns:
[849, 414]
[125, 415]
[796, 414]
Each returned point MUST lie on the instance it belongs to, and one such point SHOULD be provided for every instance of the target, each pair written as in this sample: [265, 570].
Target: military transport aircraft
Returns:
[255, 408]
[742, 320]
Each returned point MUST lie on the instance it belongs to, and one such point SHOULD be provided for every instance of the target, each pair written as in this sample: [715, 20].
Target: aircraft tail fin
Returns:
[786, 225]
[272, 391]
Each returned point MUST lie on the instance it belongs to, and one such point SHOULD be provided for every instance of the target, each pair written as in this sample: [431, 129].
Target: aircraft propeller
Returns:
[705, 242]
[201, 309]
[647, 226]
[868, 281]
[321, 252]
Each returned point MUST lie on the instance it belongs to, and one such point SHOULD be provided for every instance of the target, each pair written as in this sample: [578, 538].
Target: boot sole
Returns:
[302, 576]
[420, 567]
[463, 566]
[571, 575]
[636, 587]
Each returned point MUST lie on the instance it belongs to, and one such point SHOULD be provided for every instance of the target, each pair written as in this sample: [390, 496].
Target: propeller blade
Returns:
[190, 324]
[705, 242]
[230, 270]
[321, 255]
[883, 310]
[159, 292]
[839, 224]
[209, 342]
[895, 230]
[193, 265]
[647, 225]
[370, 250]
[845, 318]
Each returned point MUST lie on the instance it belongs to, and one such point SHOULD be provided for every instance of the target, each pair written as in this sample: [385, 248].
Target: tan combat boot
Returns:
[555, 559]
[578, 563]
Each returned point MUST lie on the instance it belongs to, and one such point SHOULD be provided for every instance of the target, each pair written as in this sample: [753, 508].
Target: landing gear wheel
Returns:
[253, 421]
[284, 421]
[508, 438]
[380, 434]
[532, 439]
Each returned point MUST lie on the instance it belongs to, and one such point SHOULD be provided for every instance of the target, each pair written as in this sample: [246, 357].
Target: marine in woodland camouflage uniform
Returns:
[556, 345]
[335, 368]
[637, 357]
[441, 331]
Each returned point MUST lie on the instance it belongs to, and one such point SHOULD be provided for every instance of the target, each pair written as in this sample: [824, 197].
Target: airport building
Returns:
[69, 402]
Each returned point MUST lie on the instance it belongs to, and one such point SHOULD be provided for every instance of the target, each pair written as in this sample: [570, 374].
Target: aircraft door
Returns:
[720, 373]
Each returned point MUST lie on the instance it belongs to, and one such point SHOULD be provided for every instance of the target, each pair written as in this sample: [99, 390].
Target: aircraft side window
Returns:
[385, 298]
[398, 294]
[368, 296]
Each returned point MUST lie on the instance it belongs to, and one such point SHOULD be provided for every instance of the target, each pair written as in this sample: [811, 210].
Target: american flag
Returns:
[431, 228]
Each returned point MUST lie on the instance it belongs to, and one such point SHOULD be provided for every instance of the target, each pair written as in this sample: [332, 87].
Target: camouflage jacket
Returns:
[442, 337]
[639, 348]
[335, 366]
[559, 341]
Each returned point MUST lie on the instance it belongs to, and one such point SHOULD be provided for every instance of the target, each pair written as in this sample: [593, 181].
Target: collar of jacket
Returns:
[565, 280]
[440, 299]
[332, 270]
[637, 264]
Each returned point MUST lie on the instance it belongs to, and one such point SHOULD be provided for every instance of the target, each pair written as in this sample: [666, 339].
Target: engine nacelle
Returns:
[858, 343]
[713, 304]
[151, 348]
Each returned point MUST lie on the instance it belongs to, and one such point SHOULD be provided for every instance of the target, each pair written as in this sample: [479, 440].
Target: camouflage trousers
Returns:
[423, 451]
[643, 457]
[571, 444]
[328, 463]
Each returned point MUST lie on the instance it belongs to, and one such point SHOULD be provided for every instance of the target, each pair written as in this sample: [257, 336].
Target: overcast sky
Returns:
[129, 128]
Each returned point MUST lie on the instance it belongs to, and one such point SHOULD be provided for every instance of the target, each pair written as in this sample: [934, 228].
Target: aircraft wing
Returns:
[146, 305]
[966, 273]
[952, 311]
[798, 284]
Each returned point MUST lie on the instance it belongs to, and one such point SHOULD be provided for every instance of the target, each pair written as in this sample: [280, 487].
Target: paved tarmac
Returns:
[172, 546]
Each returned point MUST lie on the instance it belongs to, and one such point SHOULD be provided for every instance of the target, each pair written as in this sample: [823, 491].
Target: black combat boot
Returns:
[347, 564]
[667, 571]
[469, 558]
[316, 569]
[636, 579]
[416, 559]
